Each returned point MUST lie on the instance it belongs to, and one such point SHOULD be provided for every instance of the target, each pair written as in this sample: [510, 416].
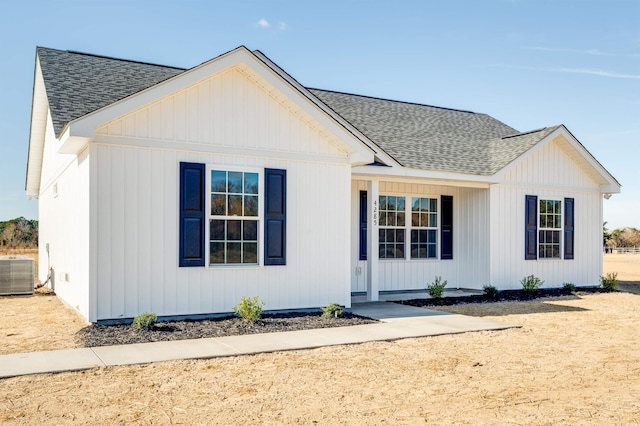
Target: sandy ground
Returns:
[576, 360]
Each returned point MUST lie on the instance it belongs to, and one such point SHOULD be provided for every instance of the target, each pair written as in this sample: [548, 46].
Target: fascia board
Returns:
[37, 132]
[406, 173]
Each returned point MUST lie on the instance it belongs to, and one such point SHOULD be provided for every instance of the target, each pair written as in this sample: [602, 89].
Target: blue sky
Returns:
[528, 63]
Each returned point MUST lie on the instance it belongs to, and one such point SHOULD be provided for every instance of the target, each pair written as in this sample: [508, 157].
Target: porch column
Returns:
[373, 192]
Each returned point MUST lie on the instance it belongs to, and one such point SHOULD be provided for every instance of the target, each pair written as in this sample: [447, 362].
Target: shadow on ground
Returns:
[629, 286]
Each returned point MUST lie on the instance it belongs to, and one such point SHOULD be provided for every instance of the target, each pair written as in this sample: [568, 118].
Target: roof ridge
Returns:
[76, 52]
[396, 101]
[527, 133]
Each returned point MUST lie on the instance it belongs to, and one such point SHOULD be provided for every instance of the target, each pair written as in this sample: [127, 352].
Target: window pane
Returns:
[216, 230]
[216, 253]
[433, 220]
[431, 251]
[218, 181]
[423, 236]
[235, 205]
[557, 223]
[251, 183]
[400, 203]
[400, 218]
[250, 230]
[399, 251]
[390, 235]
[233, 229]
[391, 203]
[414, 236]
[250, 253]
[391, 219]
[234, 253]
[381, 235]
[424, 219]
[415, 219]
[431, 236]
[235, 182]
[381, 251]
[415, 204]
[218, 205]
[543, 206]
[433, 205]
[383, 202]
[382, 219]
[400, 235]
[250, 205]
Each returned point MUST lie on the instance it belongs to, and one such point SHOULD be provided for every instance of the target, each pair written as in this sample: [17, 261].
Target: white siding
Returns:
[469, 267]
[136, 210]
[549, 173]
[64, 223]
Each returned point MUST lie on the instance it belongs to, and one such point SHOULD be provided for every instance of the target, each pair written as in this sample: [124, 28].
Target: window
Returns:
[391, 219]
[241, 211]
[550, 229]
[424, 228]
[234, 217]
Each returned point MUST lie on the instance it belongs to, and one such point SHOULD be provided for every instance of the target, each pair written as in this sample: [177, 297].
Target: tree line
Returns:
[625, 237]
[19, 233]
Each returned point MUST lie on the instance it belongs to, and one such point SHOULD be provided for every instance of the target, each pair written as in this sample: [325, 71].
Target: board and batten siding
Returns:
[548, 174]
[137, 178]
[469, 266]
[64, 223]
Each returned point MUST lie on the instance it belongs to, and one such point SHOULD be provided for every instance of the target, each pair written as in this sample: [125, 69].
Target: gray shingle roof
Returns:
[79, 83]
[431, 138]
[416, 136]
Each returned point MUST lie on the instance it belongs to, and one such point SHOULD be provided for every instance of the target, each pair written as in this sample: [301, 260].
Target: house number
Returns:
[375, 213]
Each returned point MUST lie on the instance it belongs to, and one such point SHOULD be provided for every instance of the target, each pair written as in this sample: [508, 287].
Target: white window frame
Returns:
[543, 229]
[408, 227]
[259, 218]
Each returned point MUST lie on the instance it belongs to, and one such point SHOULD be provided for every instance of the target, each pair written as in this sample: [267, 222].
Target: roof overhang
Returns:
[37, 131]
[79, 132]
[577, 152]
[428, 176]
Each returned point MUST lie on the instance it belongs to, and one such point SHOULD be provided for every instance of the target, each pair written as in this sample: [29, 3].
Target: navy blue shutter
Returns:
[275, 216]
[192, 217]
[446, 227]
[363, 225]
[568, 228]
[531, 227]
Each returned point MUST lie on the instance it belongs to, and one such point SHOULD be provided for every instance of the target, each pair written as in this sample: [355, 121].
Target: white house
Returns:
[179, 191]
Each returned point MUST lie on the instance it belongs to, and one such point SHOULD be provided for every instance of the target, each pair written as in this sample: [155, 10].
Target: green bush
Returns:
[145, 320]
[332, 310]
[490, 291]
[569, 287]
[531, 283]
[436, 288]
[249, 309]
[610, 281]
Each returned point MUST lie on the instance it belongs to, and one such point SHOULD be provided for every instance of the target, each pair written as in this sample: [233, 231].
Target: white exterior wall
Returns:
[137, 175]
[64, 223]
[549, 173]
[469, 266]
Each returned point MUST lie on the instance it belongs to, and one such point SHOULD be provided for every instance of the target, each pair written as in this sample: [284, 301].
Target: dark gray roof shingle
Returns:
[431, 138]
[416, 136]
[79, 83]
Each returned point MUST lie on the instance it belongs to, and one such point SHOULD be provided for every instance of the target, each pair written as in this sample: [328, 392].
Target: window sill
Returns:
[235, 267]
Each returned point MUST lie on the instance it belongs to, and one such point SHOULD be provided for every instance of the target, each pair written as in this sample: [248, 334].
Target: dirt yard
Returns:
[576, 360]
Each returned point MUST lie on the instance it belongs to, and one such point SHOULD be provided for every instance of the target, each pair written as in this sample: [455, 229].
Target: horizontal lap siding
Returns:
[549, 173]
[137, 206]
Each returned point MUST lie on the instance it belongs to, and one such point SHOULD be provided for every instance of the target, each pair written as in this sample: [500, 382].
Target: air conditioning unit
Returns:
[17, 274]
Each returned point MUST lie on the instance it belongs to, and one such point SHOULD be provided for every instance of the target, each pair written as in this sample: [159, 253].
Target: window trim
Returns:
[259, 218]
[559, 230]
[408, 227]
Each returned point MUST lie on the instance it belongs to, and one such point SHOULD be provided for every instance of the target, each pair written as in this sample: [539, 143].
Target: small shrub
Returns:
[332, 310]
[610, 281]
[145, 320]
[436, 288]
[249, 309]
[490, 291]
[531, 283]
[569, 287]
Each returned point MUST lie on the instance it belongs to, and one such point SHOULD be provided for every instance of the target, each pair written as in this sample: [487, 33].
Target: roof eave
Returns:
[37, 132]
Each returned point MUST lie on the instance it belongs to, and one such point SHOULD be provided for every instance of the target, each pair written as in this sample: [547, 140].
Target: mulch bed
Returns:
[503, 296]
[122, 334]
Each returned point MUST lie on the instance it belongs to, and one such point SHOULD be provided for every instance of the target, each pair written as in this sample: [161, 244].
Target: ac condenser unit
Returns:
[17, 274]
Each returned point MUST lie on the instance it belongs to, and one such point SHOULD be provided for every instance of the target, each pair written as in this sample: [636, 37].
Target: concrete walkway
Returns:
[396, 322]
